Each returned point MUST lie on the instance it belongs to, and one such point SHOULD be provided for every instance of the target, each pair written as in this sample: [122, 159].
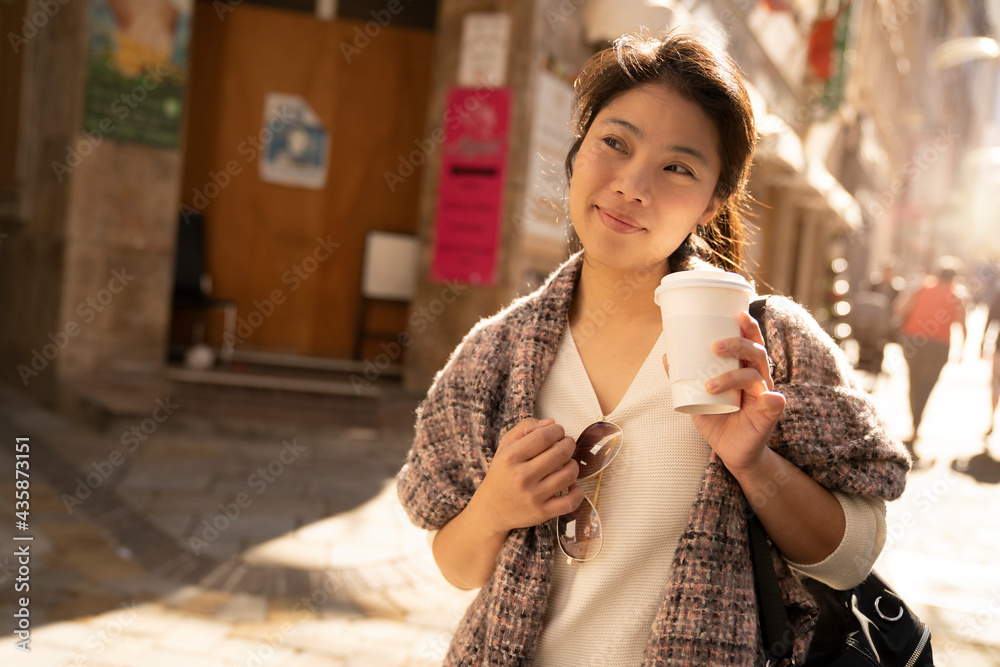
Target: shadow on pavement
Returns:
[982, 467]
[110, 545]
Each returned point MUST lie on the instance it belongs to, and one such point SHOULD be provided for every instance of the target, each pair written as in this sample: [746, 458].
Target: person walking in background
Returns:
[991, 317]
[886, 281]
[927, 317]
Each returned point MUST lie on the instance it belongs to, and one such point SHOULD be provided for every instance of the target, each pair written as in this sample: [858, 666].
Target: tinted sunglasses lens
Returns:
[580, 532]
[596, 447]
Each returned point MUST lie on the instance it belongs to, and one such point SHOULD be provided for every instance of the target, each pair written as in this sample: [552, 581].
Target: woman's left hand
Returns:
[740, 438]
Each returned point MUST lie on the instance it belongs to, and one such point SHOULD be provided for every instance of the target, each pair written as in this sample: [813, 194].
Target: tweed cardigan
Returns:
[708, 615]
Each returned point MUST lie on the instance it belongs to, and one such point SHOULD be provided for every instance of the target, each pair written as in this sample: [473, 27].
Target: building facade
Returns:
[441, 136]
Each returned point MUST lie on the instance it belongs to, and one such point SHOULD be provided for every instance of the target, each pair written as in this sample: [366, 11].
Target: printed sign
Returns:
[296, 143]
[137, 70]
[470, 197]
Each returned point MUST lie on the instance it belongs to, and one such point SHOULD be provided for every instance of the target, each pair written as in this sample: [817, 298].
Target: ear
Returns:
[707, 214]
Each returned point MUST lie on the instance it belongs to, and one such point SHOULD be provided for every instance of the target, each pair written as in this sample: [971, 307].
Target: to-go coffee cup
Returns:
[698, 308]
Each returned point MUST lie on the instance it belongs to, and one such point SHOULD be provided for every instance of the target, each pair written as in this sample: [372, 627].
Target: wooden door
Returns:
[291, 257]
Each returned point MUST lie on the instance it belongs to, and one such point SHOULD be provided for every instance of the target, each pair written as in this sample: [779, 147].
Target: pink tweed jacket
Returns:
[708, 615]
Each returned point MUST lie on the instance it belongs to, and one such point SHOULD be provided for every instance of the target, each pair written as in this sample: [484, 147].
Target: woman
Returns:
[664, 142]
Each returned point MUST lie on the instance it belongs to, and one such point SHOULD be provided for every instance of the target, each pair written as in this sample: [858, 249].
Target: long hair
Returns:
[710, 78]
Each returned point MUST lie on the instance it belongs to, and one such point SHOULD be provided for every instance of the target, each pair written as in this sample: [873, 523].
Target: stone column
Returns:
[86, 275]
[441, 314]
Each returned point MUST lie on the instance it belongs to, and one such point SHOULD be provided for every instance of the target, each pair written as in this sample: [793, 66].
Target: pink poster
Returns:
[470, 198]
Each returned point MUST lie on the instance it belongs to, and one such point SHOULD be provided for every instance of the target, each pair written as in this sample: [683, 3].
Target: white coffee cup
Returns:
[698, 308]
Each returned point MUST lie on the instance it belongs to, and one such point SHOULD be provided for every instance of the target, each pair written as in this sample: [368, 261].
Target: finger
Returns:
[521, 429]
[750, 328]
[537, 423]
[561, 504]
[559, 479]
[772, 403]
[557, 455]
[754, 354]
[537, 441]
[746, 379]
[508, 447]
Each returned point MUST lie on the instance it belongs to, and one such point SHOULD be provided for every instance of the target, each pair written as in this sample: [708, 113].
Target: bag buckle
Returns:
[878, 611]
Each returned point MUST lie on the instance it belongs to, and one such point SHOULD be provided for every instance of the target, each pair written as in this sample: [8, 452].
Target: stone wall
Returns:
[86, 273]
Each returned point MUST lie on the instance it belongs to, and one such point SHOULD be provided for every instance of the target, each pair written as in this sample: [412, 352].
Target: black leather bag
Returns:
[866, 626]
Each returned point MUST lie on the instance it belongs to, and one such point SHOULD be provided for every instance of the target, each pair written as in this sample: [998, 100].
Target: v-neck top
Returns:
[646, 495]
[600, 612]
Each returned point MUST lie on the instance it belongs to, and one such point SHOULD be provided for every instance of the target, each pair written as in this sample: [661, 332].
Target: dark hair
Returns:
[710, 78]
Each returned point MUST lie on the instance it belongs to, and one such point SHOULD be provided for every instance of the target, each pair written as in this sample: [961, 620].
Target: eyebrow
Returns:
[685, 150]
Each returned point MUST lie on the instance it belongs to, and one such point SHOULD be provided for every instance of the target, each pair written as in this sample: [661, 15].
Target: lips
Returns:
[619, 222]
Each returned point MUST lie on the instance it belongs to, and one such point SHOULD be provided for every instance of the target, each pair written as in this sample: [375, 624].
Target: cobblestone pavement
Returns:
[167, 540]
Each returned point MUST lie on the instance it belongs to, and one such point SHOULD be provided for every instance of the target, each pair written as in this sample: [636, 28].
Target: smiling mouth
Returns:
[617, 224]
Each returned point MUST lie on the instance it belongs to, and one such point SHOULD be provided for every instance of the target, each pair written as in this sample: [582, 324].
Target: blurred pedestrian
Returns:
[886, 281]
[927, 317]
[983, 282]
[870, 320]
[991, 317]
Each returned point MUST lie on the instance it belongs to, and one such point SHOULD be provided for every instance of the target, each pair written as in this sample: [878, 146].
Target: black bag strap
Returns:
[758, 311]
[773, 615]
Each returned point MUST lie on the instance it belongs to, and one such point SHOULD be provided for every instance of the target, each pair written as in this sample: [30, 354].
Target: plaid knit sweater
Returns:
[708, 615]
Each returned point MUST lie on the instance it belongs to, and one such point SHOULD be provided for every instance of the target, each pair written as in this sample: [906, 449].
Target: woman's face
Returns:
[644, 178]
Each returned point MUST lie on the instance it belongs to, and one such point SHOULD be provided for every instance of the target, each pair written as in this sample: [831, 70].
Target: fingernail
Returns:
[711, 385]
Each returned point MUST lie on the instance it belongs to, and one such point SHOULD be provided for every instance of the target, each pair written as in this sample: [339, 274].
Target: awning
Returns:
[777, 143]
[780, 147]
[831, 194]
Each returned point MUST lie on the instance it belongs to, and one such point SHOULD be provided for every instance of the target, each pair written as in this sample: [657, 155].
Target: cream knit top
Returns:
[600, 612]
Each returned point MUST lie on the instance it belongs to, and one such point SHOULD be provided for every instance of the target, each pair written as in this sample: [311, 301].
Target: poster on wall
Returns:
[470, 195]
[483, 51]
[137, 70]
[296, 144]
[543, 221]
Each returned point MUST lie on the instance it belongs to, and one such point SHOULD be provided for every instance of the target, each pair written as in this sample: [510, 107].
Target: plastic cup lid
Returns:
[703, 278]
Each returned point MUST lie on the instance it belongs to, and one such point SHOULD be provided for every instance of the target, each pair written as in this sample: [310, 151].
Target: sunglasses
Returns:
[579, 532]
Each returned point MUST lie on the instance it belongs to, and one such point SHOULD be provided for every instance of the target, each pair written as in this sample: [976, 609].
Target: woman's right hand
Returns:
[532, 468]
[524, 486]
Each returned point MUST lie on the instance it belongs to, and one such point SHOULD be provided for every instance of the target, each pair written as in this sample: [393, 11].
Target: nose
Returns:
[632, 182]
